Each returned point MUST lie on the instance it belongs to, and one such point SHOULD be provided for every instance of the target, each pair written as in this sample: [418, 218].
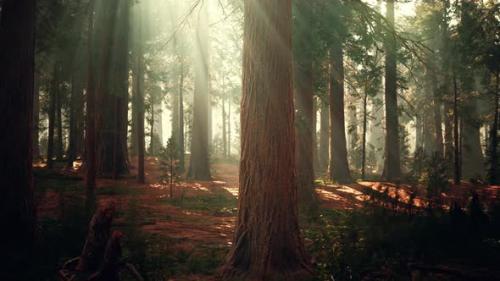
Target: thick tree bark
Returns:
[339, 165]
[113, 88]
[267, 243]
[199, 166]
[17, 212]
[324, 138]
[392, 166]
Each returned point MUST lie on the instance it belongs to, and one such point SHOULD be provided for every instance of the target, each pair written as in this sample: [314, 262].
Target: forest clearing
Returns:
[249, 140]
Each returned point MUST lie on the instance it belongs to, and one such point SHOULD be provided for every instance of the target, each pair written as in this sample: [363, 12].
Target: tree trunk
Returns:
[90, 131]
[363, 144]
[224, 123]
[139, 109]
[36, 118]
[182, 163]
[493, 173]
[112, 89]
[324, 139]
[267, 243]
[59, 143]
[457, 175]
[76, 114]
[339, 165]
[52, 116]
[304, 110]
[17, 212]
[392, 166]
[199, 166]
[472, 155]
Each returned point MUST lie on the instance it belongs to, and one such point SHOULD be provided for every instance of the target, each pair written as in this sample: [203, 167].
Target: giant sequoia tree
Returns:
[392, 167]
[267, 243]
[16, 105]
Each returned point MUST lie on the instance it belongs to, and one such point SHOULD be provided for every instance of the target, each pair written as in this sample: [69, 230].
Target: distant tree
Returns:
[267, 243]
[199, 166]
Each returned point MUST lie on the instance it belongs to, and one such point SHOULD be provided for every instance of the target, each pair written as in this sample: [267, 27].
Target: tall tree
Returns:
[392, 166]
[304, 104]
[138, 90]
[17, 33]
[267, 243]
[90, 122]
[112, 32]
[339, 166]
[324, 138]
[199, 166]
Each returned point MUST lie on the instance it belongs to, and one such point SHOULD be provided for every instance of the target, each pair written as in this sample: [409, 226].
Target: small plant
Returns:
[170, 162]
[435, 177]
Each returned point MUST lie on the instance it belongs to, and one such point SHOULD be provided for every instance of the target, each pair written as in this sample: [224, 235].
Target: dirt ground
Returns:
[200, 217]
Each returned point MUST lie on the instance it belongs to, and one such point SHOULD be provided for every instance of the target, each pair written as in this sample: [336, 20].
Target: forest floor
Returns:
[184, 238]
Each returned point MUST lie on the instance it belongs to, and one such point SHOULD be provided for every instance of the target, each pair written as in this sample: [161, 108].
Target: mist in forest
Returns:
[259, 140]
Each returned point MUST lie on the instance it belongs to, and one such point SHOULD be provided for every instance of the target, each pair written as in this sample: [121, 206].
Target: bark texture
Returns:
[16, 106]
[267, 243]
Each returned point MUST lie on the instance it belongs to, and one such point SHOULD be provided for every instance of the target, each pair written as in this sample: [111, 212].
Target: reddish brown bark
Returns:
[16, 107]
[267, 243]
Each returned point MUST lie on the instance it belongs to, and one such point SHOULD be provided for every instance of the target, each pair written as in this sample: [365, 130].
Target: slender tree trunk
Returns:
[392, 167]
[90, 132]
[36, 118]
[229, 127]
[456, 138]
[363, 148]
[182, 163]
[52, 116]
[152, 131]
[59, 143]
[493, 172]
[17, 211]
[199, 166]
[437, 117]
[339, 165]
[267, 243]
[324, 139]
[76, 106]
[139, 109]
[224, 131]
